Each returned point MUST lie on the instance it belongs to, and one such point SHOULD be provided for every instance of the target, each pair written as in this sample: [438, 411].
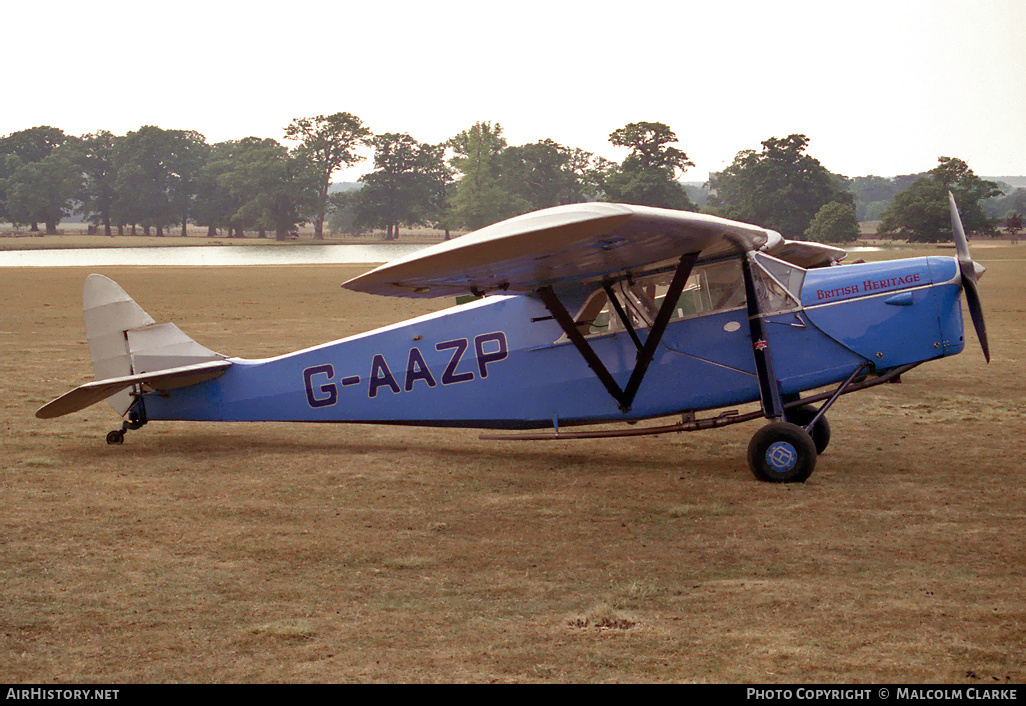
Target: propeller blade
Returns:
[968, 269]
[972, 298]
[961, 242]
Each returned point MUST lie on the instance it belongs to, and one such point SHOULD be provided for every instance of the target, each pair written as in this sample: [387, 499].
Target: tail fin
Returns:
[130, 349]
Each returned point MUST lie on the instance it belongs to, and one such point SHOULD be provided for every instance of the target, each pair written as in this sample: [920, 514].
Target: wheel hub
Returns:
[781, 456]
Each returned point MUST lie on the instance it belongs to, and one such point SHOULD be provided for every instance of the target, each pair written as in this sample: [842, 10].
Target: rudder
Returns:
[124, 340]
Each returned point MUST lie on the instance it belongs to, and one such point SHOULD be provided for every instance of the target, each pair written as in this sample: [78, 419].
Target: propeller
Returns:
[970, 272]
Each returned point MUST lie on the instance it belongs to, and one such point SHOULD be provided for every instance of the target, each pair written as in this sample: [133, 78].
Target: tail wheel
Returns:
[782, 452]
[820, 433]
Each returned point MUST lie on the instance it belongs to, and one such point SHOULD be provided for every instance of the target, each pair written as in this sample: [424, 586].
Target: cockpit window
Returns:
[710, 288]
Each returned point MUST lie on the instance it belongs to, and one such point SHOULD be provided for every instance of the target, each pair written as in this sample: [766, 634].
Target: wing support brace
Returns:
[646, 352]
[622, 315]
[769, 384]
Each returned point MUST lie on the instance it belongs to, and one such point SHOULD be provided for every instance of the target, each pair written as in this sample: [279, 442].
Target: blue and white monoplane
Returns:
[582, 314]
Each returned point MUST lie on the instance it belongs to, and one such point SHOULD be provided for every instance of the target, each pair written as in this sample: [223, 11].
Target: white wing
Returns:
[580, 243]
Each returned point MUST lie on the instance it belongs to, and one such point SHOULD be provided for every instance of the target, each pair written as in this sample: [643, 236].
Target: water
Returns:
[222, 256]
[213, 256]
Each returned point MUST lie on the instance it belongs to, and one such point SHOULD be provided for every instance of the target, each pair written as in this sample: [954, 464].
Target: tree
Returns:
[397, 191]
[438, 176]
[873, 194]
[649, 145]
[1012, 200]
[42, 191]
[834, 223]
[920, 213]
[780, 187]
[94, 155]
[329, 142]
[969, 190]
[215, 205]
[342, 212]
[649, 174]
[156, 177]
[189, 152]
[25, 147]
[543, 174]
[480, 197]
[589, 173]
[1013, 225]
[278, 189]
[33, 144]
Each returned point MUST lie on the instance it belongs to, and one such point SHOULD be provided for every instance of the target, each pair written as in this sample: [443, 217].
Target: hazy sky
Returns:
[880, 87]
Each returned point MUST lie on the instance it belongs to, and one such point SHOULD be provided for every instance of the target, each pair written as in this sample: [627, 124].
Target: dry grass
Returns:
[277, 552]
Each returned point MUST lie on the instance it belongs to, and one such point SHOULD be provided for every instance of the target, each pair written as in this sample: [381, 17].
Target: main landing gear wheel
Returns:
[782, 452]
[116, 437]
[802, 416]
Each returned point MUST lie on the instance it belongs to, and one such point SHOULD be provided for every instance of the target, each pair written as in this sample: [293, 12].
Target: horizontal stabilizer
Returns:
[169, 379]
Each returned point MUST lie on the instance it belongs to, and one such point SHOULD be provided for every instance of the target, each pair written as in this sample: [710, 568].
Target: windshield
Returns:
[778, 284]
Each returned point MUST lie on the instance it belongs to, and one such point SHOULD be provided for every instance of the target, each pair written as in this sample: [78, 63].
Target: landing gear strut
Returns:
[786, 449]
[803, 416]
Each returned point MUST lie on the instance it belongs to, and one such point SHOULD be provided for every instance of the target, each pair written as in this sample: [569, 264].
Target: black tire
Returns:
[801, 416]
[115, 437]
[782, 452]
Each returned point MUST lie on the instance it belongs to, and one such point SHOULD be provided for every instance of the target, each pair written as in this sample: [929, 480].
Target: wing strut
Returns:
[646, 352]
[769, 384]
[569, 326]
[624, 319]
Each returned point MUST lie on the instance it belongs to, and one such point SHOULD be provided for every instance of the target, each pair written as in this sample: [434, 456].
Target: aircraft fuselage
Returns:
[504, 362]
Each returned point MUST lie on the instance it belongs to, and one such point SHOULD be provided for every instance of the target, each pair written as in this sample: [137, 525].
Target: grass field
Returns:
[319, 553]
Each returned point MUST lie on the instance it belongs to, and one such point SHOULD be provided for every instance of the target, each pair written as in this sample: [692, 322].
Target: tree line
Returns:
[155, 180]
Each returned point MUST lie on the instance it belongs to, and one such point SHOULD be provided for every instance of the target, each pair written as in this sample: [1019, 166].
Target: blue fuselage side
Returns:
[503, 362]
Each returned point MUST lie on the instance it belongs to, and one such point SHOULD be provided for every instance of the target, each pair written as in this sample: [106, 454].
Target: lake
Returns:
[221, 256]
[212, 256]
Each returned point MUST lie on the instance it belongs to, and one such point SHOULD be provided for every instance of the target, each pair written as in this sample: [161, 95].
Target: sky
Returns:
[880, 87]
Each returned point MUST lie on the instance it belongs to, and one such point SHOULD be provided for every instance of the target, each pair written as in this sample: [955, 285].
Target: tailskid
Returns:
[136, 420]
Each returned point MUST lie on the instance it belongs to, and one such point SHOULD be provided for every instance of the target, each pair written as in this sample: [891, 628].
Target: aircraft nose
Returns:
[980, 269]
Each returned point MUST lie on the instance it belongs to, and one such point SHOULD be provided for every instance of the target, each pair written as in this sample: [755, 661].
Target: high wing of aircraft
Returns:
[577, 244]
[580, 314]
